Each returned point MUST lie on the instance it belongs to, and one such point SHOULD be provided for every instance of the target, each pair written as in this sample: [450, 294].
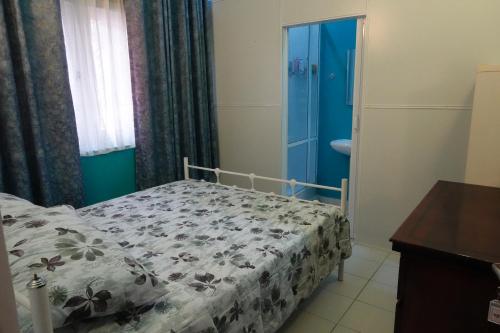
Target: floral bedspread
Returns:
[232, 260]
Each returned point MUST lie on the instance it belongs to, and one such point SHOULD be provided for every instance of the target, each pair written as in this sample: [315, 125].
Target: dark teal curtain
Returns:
[39, 154]
[171, 55]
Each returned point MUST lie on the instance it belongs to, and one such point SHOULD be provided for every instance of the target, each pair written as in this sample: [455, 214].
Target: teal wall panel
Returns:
[108, 176]
[334, 112]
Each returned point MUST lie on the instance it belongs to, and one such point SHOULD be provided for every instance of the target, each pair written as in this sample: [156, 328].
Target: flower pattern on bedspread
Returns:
[88, 274]
[232, 260]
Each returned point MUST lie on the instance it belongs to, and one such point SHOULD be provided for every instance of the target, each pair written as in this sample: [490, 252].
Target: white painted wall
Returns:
[420, 61]
[248, 69]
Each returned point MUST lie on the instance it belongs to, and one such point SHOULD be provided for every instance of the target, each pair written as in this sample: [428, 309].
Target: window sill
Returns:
[105, 151]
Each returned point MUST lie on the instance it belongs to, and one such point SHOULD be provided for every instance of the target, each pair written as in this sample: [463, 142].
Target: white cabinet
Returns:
[483, 156]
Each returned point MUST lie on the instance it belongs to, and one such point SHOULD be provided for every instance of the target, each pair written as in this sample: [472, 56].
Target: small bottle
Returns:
[40, 308]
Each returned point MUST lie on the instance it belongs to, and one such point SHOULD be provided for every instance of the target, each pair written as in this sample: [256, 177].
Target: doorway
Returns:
[322, 81]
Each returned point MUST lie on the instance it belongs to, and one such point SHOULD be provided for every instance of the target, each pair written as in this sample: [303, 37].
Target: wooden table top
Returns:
[457, 219]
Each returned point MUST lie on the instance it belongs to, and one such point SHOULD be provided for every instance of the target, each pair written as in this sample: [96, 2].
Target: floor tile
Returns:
[327, 305]
[369, 253]
[393, 259]
[387, 274]
[342, 329]
[302, 322]
[363, 303]
[350, 287]
[368, 319]
[378, 294]
[360, 267]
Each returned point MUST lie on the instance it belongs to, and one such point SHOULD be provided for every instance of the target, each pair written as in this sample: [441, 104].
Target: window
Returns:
[95, 34]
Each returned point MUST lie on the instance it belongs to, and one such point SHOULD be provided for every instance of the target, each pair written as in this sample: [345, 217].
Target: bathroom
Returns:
[320, 95]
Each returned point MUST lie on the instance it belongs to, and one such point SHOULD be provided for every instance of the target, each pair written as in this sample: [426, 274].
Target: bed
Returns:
[229, 259]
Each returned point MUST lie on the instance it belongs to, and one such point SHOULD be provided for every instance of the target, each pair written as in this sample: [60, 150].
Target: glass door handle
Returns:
[314, 69]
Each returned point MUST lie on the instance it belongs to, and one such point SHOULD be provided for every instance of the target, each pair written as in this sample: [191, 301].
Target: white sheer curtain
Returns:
[95, 34]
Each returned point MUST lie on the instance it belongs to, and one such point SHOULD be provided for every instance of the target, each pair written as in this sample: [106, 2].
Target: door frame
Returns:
[357, 107]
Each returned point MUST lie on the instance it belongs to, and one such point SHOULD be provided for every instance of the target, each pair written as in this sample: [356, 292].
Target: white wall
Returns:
[248, 59]
[420, 61]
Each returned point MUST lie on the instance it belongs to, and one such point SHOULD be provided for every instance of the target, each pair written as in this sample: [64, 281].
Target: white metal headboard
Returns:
[292, 182]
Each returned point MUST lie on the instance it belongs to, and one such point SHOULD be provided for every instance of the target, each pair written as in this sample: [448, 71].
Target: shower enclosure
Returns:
[303, 105]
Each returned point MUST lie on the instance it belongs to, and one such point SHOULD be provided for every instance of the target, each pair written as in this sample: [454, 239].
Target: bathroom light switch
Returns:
[356, 123]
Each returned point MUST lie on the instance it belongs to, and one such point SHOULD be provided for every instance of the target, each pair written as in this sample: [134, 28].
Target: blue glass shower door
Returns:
[303, 106]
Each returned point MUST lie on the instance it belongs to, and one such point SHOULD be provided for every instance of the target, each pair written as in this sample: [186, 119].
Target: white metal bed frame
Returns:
[292, 183]
[26, 303]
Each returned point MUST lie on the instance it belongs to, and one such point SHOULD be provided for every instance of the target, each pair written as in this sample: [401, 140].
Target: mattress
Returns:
[231, 260]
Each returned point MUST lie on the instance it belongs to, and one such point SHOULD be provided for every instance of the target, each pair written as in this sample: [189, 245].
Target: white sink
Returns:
[342, 146]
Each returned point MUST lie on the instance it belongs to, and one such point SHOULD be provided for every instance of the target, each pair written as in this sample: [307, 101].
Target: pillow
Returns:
[87, 274]
[14, 204]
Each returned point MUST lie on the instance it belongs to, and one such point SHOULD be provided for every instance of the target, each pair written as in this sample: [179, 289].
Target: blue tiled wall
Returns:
[335, 114]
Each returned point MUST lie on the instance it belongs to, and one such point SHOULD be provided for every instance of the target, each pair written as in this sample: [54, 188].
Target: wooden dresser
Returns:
[447, 246]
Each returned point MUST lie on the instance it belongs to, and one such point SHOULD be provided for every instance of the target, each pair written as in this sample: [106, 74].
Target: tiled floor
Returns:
[364, 302]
